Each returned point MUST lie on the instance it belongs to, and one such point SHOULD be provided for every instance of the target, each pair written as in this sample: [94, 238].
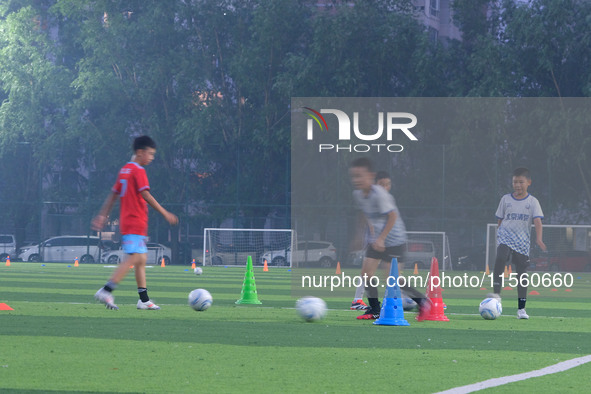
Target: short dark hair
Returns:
[143, 142]
[521, 171]
[382, 175]
[362, 162]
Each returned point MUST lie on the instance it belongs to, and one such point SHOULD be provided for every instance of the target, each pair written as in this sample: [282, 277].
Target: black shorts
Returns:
[387, 255]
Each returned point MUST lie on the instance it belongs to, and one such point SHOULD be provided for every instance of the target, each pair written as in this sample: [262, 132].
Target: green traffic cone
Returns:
[249, 288]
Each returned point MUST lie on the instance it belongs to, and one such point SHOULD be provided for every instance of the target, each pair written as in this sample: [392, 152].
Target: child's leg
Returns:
[140, 269]
[414, 294]
[521, 263]
[503, 254]
[120, 273]
[359, 292]
[368, 270]
[140, 276]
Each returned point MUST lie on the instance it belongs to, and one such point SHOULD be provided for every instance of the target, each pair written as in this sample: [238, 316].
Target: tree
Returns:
[33, 113]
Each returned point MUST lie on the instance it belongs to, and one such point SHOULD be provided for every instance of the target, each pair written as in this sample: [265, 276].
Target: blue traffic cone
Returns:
[392, 313]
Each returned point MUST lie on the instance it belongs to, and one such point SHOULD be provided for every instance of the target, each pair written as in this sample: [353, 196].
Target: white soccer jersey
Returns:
[376, 206]
[517, 216]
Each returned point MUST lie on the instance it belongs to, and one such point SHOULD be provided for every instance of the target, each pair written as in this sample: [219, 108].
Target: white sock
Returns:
[359, 292]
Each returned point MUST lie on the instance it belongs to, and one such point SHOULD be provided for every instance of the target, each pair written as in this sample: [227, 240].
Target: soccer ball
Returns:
[490, 308]
[311, 308]
[200, 299]
[408, 304]
[198, 270]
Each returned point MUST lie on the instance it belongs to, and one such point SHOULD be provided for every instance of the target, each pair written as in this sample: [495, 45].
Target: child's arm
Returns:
[379, 243]
[538, 226]
[170, 217]
[99, 220]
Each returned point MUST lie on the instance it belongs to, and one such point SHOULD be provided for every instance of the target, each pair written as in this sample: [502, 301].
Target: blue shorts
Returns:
[133, 243]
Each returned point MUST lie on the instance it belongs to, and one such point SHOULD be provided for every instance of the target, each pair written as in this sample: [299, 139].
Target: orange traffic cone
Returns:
[338, 271]
[510, 270]
[76, 262]
[8, 261]
[487, 271]
[162, 263]
[506, 273]
[193, 265]
[434, 294]
[5, 307]
[265, 267]
[416, 271]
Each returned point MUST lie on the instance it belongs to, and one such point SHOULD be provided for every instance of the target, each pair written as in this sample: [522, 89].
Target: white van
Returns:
[7, 246]
[63, 249]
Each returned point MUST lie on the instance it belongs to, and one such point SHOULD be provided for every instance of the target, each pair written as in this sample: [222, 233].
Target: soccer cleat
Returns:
[424, 310]
[369, 315]
[147, 305]
[521, 314]
[106, 298]
[359, 305]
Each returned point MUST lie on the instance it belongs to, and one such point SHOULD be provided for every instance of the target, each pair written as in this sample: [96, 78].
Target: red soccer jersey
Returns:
[131, 181]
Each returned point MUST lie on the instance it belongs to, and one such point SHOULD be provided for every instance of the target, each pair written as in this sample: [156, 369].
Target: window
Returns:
[6, 239]
[434, 8]
[55, 242]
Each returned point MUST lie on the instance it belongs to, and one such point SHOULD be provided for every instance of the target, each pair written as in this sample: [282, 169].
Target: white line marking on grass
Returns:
[560, 367]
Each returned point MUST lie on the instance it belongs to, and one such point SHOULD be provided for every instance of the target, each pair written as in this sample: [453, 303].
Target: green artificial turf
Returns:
[58, 339]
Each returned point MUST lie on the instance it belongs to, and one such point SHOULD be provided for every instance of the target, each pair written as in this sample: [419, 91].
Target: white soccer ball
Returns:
[311, 308]
[198, 270]
[490, 308]
[408, 304]
[200, 299]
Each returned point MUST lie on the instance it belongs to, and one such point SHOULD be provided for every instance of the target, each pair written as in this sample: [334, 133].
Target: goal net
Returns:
[569, 248]
[232, 246]
[422, 246]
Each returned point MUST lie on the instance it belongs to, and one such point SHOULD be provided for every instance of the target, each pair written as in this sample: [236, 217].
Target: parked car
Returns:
[566, 261]
[419, 252]
[323, 253]
[63, 249]
[156, 252]
[7, 247]
[222, 254]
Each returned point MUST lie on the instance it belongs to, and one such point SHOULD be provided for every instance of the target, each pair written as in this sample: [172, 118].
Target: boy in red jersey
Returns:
[133, 189]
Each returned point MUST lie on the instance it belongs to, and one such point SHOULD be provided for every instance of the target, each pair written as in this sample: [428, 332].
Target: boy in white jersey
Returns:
[386, 237]
[515, 215]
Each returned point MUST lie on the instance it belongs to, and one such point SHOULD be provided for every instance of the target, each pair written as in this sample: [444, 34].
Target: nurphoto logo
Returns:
[390, 125]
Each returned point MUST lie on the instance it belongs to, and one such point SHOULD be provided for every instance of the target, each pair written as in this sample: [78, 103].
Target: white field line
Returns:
[560, 367]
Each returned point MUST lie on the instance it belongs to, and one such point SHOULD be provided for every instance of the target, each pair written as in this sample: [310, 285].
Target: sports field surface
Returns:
[58, 339]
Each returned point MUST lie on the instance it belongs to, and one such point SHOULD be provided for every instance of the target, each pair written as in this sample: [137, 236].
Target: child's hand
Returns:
[542, 245]
[378, 245]
[98, 222]
[171, 218]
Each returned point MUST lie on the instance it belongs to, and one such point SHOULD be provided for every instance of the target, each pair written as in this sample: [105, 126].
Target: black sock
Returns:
[374, 304]
[110, 286]
[521, 303]
[143, 292]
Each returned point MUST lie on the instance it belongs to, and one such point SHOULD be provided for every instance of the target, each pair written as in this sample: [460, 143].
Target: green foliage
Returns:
[211, 81]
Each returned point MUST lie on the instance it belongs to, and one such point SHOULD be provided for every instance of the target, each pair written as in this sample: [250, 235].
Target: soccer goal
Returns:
[422, 246]
[233, 246]
[569, 247]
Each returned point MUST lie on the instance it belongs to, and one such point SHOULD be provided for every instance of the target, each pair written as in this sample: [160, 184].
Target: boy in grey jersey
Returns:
[386, 235]
[515, 215]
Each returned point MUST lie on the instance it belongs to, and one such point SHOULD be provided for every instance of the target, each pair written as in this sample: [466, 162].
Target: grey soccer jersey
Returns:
[376, 206]
[517, 216]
